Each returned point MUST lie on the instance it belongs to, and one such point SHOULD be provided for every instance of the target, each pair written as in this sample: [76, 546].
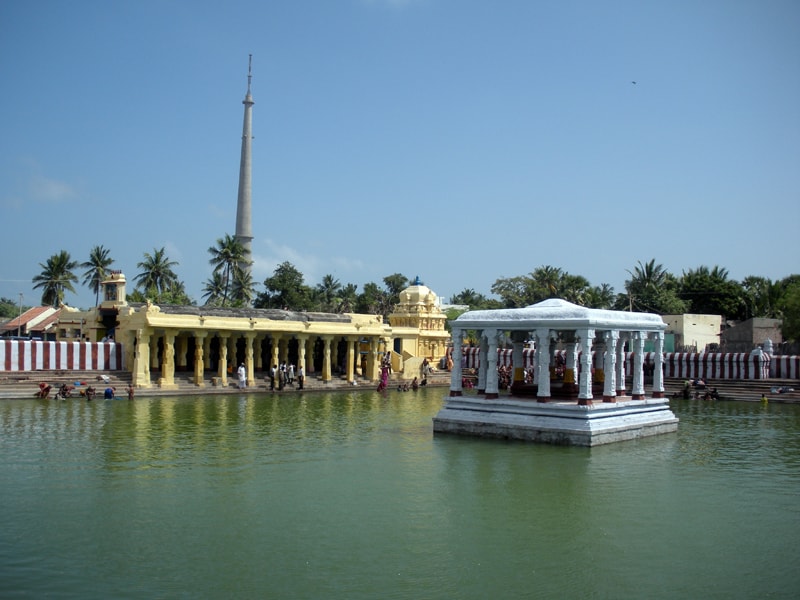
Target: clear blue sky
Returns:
[494, 136]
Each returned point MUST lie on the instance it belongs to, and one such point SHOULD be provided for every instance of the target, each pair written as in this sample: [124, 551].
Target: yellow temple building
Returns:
[211, 342]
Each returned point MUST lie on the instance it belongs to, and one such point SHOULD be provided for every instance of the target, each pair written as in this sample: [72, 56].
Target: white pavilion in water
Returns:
[557, 418]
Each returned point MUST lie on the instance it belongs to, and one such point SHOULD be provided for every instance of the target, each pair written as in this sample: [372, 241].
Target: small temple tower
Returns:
[418, 324]
[244, 228]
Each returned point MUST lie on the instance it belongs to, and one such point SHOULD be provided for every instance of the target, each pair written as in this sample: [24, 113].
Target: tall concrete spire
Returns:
[244, 228]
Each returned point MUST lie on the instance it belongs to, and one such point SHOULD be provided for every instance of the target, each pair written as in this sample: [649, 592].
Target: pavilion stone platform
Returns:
[595, 343]
[560, 423]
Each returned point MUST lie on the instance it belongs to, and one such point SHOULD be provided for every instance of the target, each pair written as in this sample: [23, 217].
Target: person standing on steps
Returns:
[241, 372]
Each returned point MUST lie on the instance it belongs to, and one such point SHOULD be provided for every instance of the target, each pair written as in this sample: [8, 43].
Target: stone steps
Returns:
[25, 384]
[737, 389]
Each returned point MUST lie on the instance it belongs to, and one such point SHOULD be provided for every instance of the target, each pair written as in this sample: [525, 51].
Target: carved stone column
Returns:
[351, 356]
[517, 358]
[154, 352]
[621, 374]
[249, 337]
[141, 362]
[658, 367]
[301, 352]
[167, 379]
[491, 364]
[275, 362]
[326, 358]
[543, 364]
[373, 362]
[610, 384]
[483, 361]
[207, 352]
[199, 364]
[637, 341]
[585, 386]
[181, 351]
[222, 368]
[455, 372]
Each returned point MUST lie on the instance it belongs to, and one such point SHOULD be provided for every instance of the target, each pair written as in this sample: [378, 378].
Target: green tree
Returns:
[543, 283]
[96, 270]
[230, 257]
[710, 292]
[285, 290]
[601, 296]
[758, 296]
[10, 309]
[56, 278]
[474, 300]
[546, 282]
[214, 290]
[574, 288]
[348, 296]
[175, 295]
[790, 309]
[395, 284]
[243, 289]
[515, 292]
[651, 288]
[157, 273]
[373, 300]
[327, 293]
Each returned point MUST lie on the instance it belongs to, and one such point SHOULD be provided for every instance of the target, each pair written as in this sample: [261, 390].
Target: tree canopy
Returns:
[56, 278]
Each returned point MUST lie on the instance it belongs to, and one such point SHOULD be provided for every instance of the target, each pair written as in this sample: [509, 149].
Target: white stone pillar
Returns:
[517, 365]
[491, 364]
[483, 362]
[637, 341]
[621, 374]
[658, 367]
[571, 366]
[543, 364]
[455, 371]
[585, 386]
[610, 366]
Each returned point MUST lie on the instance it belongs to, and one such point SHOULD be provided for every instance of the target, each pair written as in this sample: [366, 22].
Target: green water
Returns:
[349, 495]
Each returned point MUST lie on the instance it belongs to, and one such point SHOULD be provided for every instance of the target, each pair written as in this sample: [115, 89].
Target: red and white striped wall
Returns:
[785, 367]
[24, 355]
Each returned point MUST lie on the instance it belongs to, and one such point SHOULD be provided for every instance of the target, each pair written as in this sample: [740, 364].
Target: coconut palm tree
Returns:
[327, 293]
[214, 290]
[56, 278]
[157, 273]
[652, 288]
[348, 296]
[96, 270]
[243, 289]
[229, 257]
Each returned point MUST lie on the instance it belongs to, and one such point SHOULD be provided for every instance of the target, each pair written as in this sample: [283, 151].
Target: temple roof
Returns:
[559, 314]
[272, 314]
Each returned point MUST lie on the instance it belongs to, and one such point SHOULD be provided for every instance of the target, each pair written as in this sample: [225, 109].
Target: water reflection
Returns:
[350, 495]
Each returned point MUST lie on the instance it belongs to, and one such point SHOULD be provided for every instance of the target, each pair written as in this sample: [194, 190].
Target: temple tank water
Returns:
[350, 495]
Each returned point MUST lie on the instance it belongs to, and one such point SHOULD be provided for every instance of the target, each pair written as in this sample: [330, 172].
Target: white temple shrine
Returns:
[562, 412]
